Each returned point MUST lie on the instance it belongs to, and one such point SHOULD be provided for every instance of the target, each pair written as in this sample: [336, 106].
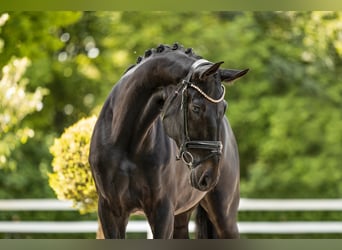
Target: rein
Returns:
[214, 147]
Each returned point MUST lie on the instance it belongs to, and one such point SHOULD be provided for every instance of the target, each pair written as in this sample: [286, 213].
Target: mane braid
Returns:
[164, 48]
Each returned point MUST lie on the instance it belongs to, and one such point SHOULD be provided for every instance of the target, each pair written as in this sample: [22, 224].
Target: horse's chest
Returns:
[135, 190]
[143, 191]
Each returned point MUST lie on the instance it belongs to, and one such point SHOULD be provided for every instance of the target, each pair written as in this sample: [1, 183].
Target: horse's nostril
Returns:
[204, 182]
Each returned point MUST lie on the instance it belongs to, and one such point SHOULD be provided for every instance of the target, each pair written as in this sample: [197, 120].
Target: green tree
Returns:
[292, 110]
[289, 102]
[26, 162]
[15, 104]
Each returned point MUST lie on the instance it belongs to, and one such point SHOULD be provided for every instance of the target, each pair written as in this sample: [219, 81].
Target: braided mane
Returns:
[163, 48]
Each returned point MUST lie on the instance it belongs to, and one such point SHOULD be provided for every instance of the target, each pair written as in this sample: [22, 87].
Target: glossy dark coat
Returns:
[133, 150]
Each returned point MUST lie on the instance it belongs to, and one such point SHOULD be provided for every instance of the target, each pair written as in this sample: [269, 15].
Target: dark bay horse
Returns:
[163, 146]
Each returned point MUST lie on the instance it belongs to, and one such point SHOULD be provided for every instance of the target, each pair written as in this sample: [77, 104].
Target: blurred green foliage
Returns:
[15, 105]
[286, 113]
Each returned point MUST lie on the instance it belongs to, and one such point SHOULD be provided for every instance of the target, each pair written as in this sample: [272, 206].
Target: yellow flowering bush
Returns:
[71, 178]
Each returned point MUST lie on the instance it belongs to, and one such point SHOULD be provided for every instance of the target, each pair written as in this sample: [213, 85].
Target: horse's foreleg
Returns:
[222, 213]
[226, 218]
[113, 226]
[181, 226]
[161, 220]
[99, 232]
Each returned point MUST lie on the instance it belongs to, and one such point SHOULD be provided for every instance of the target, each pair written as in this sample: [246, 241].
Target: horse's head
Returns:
[193, 115]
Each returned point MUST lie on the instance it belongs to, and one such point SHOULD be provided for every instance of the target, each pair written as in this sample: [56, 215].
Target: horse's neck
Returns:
[160, 70]
[140, 95]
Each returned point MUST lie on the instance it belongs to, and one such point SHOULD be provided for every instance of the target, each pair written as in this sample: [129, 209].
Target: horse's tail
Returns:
[204, 228]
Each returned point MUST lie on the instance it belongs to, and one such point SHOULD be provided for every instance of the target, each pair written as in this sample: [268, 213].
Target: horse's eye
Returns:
[196, 108]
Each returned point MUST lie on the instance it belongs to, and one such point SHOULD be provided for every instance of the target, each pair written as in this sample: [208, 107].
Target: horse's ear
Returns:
[229, 75]
[210, 70]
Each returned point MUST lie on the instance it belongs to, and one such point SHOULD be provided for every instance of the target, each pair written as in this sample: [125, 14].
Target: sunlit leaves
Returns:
[15, 104]
[71, 177]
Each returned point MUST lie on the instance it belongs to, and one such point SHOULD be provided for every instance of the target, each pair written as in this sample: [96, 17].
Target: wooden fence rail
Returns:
[293, 227]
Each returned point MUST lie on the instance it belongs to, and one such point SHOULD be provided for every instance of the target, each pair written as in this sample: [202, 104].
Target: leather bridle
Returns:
[214, 147]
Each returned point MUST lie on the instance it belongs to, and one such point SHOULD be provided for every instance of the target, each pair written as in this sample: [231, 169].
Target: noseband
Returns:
[214, 147]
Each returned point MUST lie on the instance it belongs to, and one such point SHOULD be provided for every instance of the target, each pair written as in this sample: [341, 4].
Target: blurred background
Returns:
[58, 67]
